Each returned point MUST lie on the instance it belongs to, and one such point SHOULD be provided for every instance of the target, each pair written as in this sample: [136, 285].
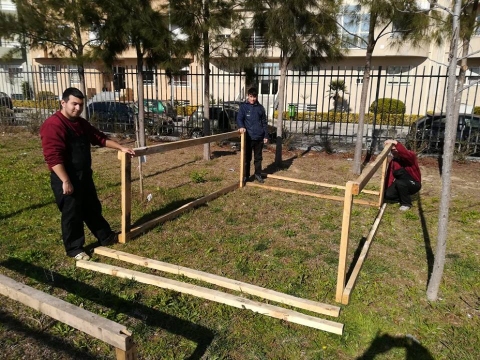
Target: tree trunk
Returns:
[206, 88]
[281, 106]
[453, 106]
[357, 160]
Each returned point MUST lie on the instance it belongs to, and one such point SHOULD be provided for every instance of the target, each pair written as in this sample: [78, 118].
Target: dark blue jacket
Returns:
[253, 118]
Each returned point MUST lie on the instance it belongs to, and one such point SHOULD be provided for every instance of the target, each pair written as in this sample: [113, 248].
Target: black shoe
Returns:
[111, 240]
[259, 178]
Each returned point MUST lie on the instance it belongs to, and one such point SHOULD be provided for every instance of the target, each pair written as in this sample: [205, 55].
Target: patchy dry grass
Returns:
[280, 241]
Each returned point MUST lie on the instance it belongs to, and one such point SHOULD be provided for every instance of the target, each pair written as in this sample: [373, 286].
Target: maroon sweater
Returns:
[406, 159]
[54, 137]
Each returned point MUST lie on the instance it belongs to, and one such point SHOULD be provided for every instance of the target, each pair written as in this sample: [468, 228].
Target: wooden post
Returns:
[342, 258]
[242, 159]
[126, 175]
[382, 181]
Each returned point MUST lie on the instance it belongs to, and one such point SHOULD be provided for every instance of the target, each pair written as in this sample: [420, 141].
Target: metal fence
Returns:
[320, 104]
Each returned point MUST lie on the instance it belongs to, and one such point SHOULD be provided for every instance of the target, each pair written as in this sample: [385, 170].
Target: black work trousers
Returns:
[257, 147]
[402, 189]
[78, 208]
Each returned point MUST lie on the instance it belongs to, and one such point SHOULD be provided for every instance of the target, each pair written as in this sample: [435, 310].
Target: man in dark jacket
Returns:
[66, 139]
[403, 176]
[252, 119]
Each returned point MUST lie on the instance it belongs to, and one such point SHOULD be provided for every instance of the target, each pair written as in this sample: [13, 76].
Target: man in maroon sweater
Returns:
[66, 139]
[403, 176]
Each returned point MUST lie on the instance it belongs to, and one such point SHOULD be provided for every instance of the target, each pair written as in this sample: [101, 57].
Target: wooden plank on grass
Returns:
[246, 288]
[126, 175]
[361, 259]
[173, 214]
[321, 196]
[217, 296]
[103, 329]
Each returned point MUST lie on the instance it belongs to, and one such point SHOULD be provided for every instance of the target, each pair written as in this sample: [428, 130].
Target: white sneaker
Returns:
[404, 208]
[82, 256]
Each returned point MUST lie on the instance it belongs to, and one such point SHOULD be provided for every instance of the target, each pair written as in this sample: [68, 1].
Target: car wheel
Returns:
[196, 133]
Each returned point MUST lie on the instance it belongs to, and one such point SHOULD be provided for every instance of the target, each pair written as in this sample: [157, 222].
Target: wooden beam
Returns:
[149, 150]
[103, 329]
[221, 281]
[173, 214]
[321, 196]
[382, 182]
[242, 159]
[370, 170]
[272, 176]
[217, 296]
[343, 253]
[358, 265]
[126, 195]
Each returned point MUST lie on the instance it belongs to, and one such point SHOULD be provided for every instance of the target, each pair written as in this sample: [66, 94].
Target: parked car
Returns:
[220, 121]
[6, 101]
[7, 116]
[429, 131]
[111, 116]
[159, 117]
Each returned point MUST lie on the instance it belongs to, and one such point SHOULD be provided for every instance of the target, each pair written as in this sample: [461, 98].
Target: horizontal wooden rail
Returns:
[103, 329]
[227, 283]
[217, 296]
[321, 196]
[149, 150]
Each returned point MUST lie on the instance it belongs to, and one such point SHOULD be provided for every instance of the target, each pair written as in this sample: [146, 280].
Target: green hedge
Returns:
[343, 117]
[388, 106]
[35, 104]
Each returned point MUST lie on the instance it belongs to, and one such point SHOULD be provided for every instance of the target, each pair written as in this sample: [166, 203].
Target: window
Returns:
[268, 78]
[148, 77]
[477, 28]
[473, 75]
[257, 41]
[181, 78]
[48, 74]
[15, 72]
[93, 37]
[354, 27]
[398, 75]
[9, 43]
[74, 76]
[360, 72]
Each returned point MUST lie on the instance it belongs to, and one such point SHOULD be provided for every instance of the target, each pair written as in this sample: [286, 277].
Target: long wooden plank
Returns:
[243, 287]
[126, 195]
[217, 296]
[106, 330]
[242, 159]
[149, 150]
[382, 182]
[321, 196]
[370, 170]
[174, 213]
[343, 252]
[358, 265]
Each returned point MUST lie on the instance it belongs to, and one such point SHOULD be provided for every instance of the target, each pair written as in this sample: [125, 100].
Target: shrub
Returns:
[34, 104]
[46, 95]
[476, 110]
[388, 106]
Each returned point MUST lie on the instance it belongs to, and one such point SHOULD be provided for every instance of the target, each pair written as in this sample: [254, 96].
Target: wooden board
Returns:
[242, 287]
[369, 171]
[217, 296]
[358, 265]
[106, 330]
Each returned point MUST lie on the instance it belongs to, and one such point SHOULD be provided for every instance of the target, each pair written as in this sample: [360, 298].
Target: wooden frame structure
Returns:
[352, 188]
[126, 230]
[103, 329]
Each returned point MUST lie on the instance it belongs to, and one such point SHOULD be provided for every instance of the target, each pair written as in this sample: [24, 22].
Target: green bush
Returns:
[476, 110]
[36, 104]
[388, 106]
[46, 95]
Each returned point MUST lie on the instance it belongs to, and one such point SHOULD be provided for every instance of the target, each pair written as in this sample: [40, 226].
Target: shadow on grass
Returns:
[356, 255]
[286, 163]
[28, 208]
[218, 154]
[426, 239]
[384, 343]
[201, 335]
[56, 344]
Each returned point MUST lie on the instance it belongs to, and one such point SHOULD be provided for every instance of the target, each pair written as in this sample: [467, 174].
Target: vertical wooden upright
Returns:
[343, 253]
[382, 183]
[126, 174]
[242, 159]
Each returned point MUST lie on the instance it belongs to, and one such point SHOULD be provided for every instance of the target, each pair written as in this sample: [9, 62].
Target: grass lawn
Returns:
[284, 242]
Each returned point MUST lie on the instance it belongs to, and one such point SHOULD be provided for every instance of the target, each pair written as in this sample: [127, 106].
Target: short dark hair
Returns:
[72, 91]
[252, 91]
